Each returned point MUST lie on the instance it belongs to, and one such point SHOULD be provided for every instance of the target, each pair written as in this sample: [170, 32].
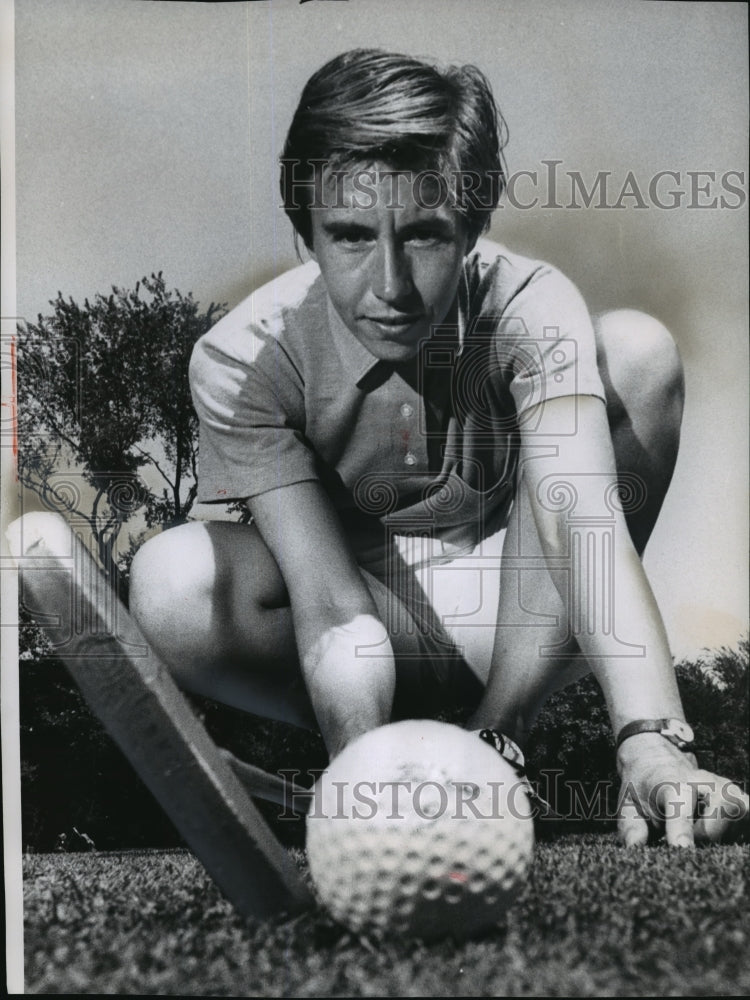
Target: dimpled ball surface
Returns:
[419, 829]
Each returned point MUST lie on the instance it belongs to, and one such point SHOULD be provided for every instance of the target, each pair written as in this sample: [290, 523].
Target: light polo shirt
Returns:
[286, 394]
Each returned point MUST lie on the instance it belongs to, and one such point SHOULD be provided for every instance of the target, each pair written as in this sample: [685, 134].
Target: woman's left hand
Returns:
[664, 789]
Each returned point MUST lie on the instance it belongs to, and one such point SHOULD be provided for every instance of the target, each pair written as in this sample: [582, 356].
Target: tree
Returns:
[107, 432]
[106, 423]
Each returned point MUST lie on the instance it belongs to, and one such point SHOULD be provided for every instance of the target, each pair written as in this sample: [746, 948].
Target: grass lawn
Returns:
[593, 920]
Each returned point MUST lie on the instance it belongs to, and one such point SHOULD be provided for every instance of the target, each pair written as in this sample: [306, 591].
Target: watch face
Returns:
[676, 729]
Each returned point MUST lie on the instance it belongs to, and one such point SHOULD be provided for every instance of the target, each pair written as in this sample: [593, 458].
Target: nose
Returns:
[391, 277]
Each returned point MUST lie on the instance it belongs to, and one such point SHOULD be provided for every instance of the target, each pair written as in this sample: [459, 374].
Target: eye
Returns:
[426, 238]
[429, 237]
[353, 237]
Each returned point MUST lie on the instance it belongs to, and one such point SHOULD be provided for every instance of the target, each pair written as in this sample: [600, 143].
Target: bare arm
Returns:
[618, 626]
[613, 612]
[344, 649]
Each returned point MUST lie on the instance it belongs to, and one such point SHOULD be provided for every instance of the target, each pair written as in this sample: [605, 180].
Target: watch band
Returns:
[678, 733]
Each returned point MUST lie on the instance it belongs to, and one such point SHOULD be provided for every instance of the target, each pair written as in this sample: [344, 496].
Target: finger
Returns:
[724, 811]
[632, 828]
[676, 802]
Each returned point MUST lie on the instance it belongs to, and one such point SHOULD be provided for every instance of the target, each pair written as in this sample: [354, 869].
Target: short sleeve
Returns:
[561, 360]
[249, 400]
[545, 340]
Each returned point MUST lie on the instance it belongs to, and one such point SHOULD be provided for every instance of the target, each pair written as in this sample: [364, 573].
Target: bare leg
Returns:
[642, 376]
[209, 598]
[211, 601]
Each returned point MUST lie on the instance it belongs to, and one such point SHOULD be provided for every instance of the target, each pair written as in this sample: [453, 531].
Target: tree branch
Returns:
[43, 488]
[150, 458]
[95, 505]
[190, 498]
[46, 417]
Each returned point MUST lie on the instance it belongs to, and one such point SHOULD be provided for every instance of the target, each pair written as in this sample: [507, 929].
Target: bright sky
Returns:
[147, 135]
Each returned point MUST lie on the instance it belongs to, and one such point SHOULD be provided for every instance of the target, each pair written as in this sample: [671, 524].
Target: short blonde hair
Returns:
[368, 105]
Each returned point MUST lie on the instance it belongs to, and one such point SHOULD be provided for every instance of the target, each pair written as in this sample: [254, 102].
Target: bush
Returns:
[75, 777]
[75, 782]
[572, 743]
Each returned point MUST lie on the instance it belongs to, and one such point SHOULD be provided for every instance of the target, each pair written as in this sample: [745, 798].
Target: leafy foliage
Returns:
[75, 781]
[715, 695]
[74, 776]
[106, 423]
[107, 434]
[572, 747]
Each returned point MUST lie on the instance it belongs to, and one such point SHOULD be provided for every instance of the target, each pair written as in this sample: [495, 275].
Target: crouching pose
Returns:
[452, 470]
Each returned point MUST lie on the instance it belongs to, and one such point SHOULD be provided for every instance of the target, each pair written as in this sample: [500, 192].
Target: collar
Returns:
[355, 358]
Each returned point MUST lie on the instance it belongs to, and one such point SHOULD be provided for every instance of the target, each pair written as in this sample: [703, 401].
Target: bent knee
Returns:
[636, 352]
[171, 570]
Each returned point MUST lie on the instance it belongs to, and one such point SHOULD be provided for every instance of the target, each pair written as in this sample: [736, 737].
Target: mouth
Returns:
[395, 324]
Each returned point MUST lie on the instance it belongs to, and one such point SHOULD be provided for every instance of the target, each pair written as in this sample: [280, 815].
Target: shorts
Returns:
[441, 616]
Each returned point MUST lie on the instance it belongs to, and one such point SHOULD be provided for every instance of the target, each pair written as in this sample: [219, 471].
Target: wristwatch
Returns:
[675, 730]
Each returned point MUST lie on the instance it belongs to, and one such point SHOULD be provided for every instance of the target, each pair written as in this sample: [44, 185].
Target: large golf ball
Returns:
[419, 829]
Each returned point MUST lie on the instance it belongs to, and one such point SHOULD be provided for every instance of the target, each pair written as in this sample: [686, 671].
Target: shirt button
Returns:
[410, 458]
[406, 410]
